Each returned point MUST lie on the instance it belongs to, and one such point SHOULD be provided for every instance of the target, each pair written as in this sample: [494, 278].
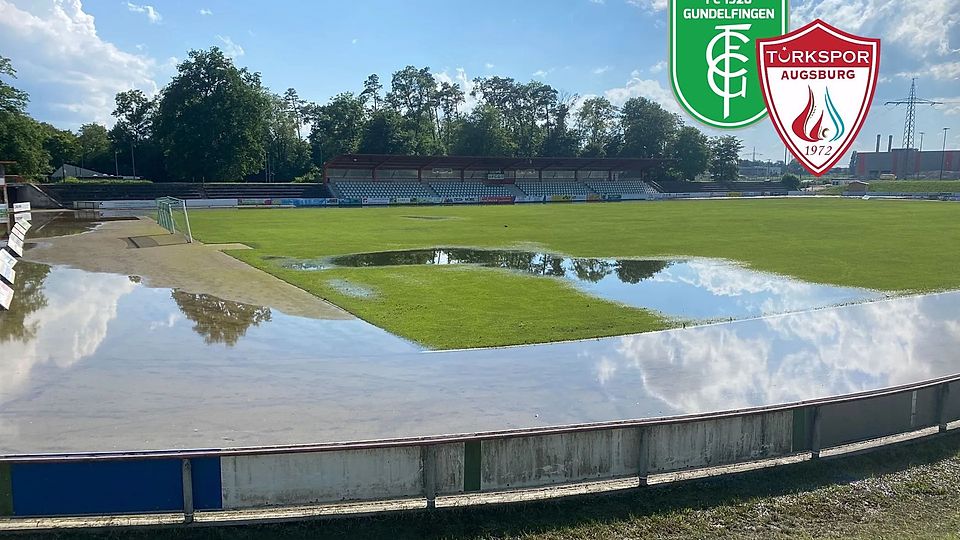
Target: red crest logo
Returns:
[818, 83]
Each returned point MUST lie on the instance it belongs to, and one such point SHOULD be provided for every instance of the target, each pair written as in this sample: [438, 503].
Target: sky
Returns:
[73, 56]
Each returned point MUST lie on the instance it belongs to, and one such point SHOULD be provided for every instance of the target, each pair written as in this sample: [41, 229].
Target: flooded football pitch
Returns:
[98, 361]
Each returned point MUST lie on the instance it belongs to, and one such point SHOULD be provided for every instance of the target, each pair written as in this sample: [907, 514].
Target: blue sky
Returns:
[74, 56]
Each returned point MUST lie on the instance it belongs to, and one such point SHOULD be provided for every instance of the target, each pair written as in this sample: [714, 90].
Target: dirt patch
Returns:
[194, 268]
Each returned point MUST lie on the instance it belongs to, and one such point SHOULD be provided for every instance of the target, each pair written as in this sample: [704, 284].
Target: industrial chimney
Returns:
[890, 143]
[878, 143]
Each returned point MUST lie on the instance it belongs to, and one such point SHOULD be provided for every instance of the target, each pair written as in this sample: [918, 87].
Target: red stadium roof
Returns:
[386, 161]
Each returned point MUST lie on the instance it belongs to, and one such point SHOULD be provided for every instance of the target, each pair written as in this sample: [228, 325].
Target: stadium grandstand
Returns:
[353, 179]
[372, 176]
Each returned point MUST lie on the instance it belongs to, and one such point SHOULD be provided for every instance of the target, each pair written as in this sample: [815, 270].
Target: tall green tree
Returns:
[561, 141]
[725, 158]
[134, 114]
[61, 145]
[336, 127]
[295, 108]
[211, 119]
[12, 100]
[21, 137]
[449, 99]
[371, 91]
[413, 94]
[384, 133]
[482, 134]
[690, 151]
[648, 129]
[95, 148]
[287, 155]
[597, 122]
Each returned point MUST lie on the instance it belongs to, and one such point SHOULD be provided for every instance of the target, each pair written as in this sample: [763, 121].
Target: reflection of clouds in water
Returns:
[775, 293]
[674, 363]
[789, 358]
[606, 369]
[167, 323]
[70, 327]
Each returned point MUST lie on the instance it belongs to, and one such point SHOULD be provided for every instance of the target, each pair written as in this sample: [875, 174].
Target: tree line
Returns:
[215, 121]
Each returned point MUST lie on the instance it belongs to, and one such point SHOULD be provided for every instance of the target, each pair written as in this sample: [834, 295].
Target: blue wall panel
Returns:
[207, 493]
[108, 487]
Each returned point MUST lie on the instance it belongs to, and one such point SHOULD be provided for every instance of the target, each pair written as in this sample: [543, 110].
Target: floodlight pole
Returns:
[943, 151]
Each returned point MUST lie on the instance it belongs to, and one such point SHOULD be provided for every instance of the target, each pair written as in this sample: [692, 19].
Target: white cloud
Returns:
[540, 73]
[649, 5]
[205, 11]
[65, 65]
[658, 67]
[466, 84]
[601, 70]
[231, 49]
[152, 14]
[598, 1]
[639, 87]
[489, 65]
[354, 41]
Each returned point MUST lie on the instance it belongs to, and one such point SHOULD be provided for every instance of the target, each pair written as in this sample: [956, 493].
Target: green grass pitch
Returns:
[904, 246]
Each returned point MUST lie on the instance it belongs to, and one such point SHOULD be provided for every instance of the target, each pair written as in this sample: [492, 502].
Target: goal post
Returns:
[172, 216]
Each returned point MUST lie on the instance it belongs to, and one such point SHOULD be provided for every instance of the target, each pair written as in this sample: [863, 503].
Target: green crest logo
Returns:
[713, 59]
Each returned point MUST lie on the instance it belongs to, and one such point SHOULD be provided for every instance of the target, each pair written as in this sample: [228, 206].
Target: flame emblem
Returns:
[817, 132]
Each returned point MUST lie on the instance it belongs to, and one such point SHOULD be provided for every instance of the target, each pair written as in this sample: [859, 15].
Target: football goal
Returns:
[172, 216]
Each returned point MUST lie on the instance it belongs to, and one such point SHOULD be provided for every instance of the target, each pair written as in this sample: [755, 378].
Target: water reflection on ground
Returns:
[61, 317]
[697, 289]
[89, 389]
[48, 224]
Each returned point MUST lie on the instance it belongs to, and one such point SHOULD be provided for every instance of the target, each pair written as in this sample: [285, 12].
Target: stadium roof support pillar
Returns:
[539, 175]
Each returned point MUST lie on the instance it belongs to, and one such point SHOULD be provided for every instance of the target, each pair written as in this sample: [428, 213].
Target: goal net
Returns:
[172, 216]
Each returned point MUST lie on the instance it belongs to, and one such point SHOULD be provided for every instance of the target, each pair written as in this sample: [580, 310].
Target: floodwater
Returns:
[691, 289]
[48, 224]
[98, 362]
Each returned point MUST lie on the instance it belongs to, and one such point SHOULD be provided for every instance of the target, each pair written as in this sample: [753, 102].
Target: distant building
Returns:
[761, 170]
[905, 163]
[66, 171]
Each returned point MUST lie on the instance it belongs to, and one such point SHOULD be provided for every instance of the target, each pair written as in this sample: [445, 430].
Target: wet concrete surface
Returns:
[193, 267]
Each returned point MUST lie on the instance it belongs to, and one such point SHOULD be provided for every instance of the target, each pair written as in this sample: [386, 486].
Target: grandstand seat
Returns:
[372, 188]
[554, 187]
[623, 186]
[457, 188]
